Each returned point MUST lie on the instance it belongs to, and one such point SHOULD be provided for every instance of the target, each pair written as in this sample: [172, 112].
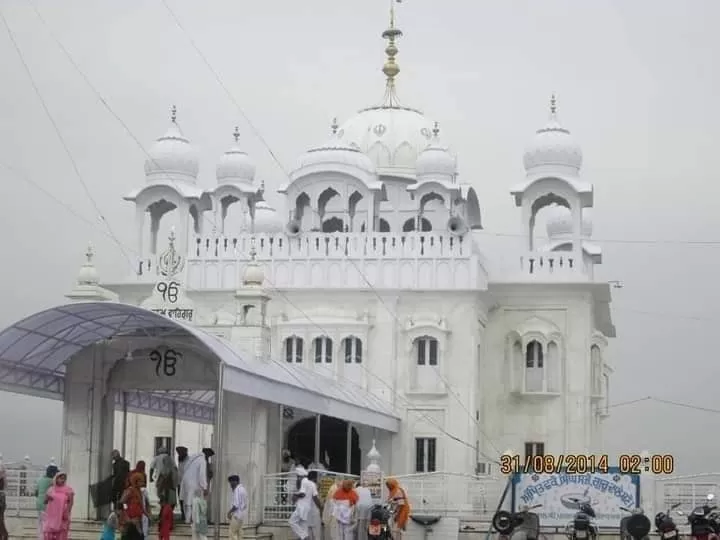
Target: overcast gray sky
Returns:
[637, 83]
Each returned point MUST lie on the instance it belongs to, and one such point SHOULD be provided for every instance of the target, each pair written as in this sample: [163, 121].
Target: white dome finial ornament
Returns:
[253, 275]
[88, 274]
[553, 149]
[235, 166]
[436, 162]
[374, 457]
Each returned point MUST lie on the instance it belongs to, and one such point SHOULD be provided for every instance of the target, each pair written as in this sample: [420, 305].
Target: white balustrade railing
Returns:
[276, 493]
[20, 490]
[318, 245]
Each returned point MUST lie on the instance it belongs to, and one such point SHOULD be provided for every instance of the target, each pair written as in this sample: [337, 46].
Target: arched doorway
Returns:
[333, 443]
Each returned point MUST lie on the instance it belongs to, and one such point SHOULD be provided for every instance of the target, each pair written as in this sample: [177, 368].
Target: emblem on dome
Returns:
[170, 262]
[379, 130]
[425, 132]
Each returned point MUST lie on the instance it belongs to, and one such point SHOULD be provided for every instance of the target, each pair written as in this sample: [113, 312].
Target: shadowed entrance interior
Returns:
[333, 443]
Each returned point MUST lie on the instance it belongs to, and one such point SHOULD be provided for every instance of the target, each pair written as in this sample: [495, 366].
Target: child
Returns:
[166, 520]
[108, 532]
[199, 516]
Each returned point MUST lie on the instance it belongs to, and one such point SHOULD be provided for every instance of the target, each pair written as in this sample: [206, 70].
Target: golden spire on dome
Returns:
[173, 114]
[391, 68]
[553, 105]
[236, 134]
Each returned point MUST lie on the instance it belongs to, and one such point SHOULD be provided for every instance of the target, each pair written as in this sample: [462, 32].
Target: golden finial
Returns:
[236, 134]
[436, 130]
[553, 105]
[89, 254]
[173, 114]
[391, 68]
[334, 126]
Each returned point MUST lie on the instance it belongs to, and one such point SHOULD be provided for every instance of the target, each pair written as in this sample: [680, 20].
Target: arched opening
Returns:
[233, 217]
[333, 443]
[353, 203]
[333, 225]
[303, 212]
[425, 225]
[164, 216]
[541, 209]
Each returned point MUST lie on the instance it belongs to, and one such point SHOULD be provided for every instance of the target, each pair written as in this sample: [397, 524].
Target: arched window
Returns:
[534, 355]
[534, 363]
[322, 347]
[426, 349]
[352, 349]
[294, 350]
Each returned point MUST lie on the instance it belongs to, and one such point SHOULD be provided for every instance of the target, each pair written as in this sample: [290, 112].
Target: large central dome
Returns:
[392, 136]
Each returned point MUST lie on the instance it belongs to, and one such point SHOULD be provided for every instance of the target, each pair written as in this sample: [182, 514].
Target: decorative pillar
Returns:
[372, 476]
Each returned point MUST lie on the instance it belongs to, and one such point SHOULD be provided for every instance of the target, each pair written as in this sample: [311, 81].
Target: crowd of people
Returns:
[344, 514]
[184, 483]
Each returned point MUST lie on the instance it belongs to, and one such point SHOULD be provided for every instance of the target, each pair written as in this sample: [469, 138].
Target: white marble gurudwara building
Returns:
[365, 310]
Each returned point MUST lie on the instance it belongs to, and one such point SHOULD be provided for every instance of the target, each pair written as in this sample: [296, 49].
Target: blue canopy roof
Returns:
[34, 351]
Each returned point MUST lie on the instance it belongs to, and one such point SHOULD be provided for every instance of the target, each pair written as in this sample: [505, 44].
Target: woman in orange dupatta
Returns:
[344, 501]
[399, 501]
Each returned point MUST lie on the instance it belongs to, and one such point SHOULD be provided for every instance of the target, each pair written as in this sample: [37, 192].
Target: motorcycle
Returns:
[379, 524]
[636, 526]
[582, 525]
[520, 525]
[665, 525]
[702, 525]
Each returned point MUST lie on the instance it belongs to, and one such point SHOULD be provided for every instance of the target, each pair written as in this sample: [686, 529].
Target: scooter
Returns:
[582, 525]
[701, 523]
[520, 525]
[379, 525]
[636, 526]
[665, 525]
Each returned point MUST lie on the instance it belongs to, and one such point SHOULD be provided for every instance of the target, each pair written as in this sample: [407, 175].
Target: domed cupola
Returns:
[335, 152]
[553, 149]
[235, 165]
[436, 162]
[172, 157]
[266, 219]
[560, 226]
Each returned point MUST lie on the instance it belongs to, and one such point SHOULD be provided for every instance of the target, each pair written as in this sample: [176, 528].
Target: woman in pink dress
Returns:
[59, 501]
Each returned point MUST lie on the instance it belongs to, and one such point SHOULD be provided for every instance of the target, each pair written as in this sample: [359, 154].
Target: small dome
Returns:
[172, 154]
[392, 136]
[235, 165]
[253, 276]
[336, 151]
[88, 274]
[267, 219]
[560, 226]
[436, 161]
[553, 149]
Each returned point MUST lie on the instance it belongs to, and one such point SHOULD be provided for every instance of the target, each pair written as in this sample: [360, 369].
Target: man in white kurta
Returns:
[194, 478]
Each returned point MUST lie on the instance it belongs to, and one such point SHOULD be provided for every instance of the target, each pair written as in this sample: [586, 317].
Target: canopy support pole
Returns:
[218, 430]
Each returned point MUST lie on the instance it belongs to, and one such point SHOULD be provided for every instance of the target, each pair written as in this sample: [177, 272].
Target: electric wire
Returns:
[51, 118]
[110, 234]
[451, 389]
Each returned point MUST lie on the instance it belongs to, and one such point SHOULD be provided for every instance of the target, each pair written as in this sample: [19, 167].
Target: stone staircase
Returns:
[90, 530]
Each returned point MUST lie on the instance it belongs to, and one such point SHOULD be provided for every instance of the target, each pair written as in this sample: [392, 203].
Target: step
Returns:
[82, 530]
